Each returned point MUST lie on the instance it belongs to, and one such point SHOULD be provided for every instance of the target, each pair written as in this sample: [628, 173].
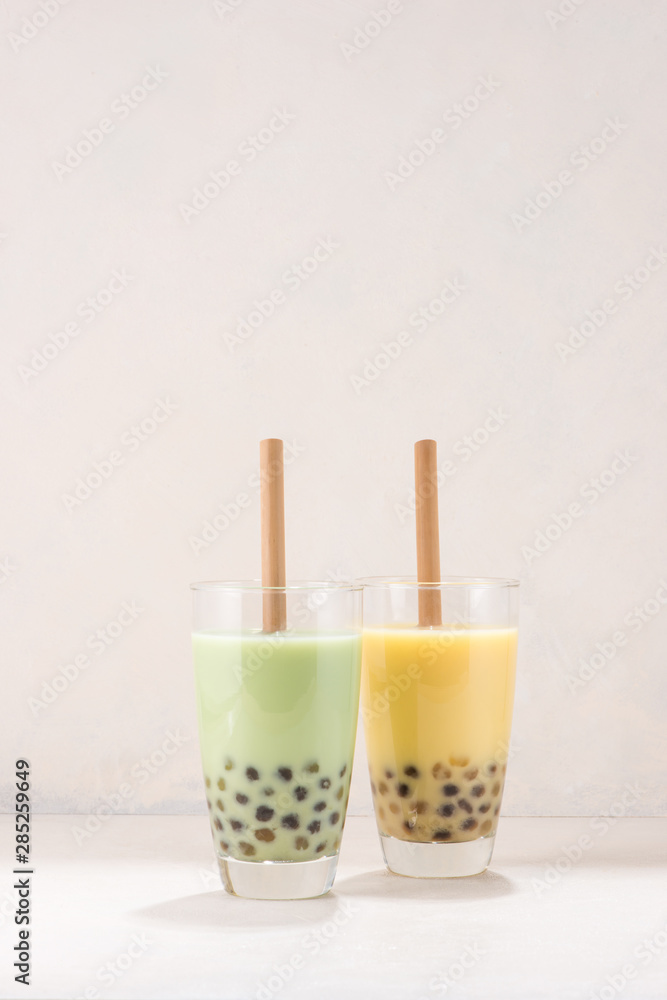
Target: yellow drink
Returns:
[437, 709]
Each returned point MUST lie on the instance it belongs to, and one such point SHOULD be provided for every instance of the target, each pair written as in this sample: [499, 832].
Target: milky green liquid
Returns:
[277, 722]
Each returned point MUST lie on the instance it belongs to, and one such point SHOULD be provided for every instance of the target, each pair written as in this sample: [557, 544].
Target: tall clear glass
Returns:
[437, 709]
[277, 716]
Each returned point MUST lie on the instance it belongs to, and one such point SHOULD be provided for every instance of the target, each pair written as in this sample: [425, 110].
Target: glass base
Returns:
[278, 879]
[437, 860]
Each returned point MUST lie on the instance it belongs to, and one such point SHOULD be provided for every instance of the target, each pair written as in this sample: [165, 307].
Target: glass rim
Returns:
[255, 586]
[446, 581]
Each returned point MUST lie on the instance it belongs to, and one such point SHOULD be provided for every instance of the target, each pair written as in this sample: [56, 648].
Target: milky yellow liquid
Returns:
[437, 709]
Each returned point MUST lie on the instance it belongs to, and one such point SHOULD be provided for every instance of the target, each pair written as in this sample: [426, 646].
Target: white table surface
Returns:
[149, 882]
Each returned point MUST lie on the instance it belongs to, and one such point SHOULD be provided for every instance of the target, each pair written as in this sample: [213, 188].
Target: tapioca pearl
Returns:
[373, 788]
[325, 783]
[394, 807]
[208, 782]
[264, 813]
[382, 788]
[221, 784]
[421, 808]
[485, 827]
[320, 847]
[450, 790]
[471, 773]
[268, 792]
[220, 805]
[241, 798]
[485, 806]
[491, 767]
[496, 788]
[465, 805]
[290, 822]
[314, 827]
[447, 809]
[312, 768]
[224, 845]
[285, 773]
[208, 803]
[442, 835]
[496, 810]
[265, 835]
[247, 849]
[342, 770]
[409, 824]
[300, 793]
[217, 823]
[411, 771]
[339, 793]
[477, 791]
[229, 764]
[236, 824]
[301, 843]
[319, 806]
[402, 790]
[389, 775]
[458, 760]
[468, 824]
[333, 819]
[252, 774]
[437, 770]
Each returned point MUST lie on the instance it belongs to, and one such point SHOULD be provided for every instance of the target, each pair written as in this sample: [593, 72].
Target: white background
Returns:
[331, 175]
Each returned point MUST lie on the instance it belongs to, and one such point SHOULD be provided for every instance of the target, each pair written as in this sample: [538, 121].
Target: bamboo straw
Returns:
[273, 533]
[428, 534]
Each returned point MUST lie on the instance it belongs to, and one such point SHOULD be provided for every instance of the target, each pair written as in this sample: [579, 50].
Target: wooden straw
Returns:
[273, 532]
[428, 534]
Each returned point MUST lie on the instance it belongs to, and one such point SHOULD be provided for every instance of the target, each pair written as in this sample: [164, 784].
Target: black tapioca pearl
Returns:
[491, 768]
[450, 790]
[247, 849]
[252, 774]
[496, 788]
[217, 823]
[442, 835]
[484, 808]
[446, 810]
[224, 845]
[410, 824]
[394, 807]
[421, 808]
[477, 791]
[301, 843]
[208, 803]
[471, 773]
[342, 770]
[382, 788]
[326, 783]
[373, 788]
[339, 793]
[469, 824]
[465, 805]
[411, 771]
[458, 760]
[229, 763]
[402, 790]
[496, 810]
[267, 791]
[319, 806]
[312, 768]
[300, 793]
[265, 835]
[285, 773]
[221, 784]
[264, 813]
[241, 798]
[236, 824]
[208, 782]
[314, 827]
[333, 819]
[389, 775]
[320, 847]
[290, 822]
[485, 827]
[220, 805]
